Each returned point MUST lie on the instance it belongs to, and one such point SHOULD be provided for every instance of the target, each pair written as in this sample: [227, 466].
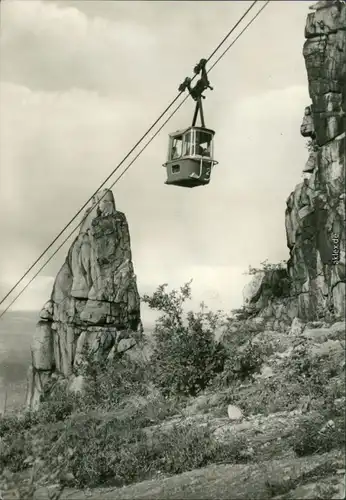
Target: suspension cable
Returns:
[121, 163]
[125, 170]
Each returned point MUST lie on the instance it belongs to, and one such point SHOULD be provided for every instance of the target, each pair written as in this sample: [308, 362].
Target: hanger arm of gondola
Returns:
[202, 84]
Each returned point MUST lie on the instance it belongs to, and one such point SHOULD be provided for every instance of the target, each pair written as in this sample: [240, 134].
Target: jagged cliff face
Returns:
[315, 214]
[94, 304]
[313, 285]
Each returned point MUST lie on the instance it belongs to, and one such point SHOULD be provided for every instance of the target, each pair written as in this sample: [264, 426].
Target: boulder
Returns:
[234, 413]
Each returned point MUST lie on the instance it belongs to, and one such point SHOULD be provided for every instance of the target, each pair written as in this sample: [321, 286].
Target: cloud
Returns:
[55, 147]
[75, 138]
[82, 93]
[52, 48]
[145, 48]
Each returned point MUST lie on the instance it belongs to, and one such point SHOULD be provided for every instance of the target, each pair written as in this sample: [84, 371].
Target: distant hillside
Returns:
[16, 332]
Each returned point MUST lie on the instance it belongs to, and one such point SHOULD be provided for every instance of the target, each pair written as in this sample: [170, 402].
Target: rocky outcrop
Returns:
[313, 284]
[94, 303]
[315, 214]
[263, 424]
[267, 300]
[237, 481]
[266, 286]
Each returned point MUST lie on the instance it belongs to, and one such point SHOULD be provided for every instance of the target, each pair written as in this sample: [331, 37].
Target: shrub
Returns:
[12, 424]
[118, 452]
[15, 445]
[114, 381]
[311, 372]
[186, 355]
[266, 267]
[244, 313]
[315, 434]
[58, 406]
[236, 332]
[267, 396]
[242, 364]
[15, 448]
[276, 281]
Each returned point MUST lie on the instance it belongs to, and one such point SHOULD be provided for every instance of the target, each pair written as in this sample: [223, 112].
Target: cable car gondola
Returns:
[190, 156]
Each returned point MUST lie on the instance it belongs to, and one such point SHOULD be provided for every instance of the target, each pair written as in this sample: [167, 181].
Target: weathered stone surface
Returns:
[254, 481]
[37, 381]
[325, 63]
[42, 347]
[266, 286]
[325, 59]
[297, 327]
[77, 384]
[327, 18]
[47, 311]
[268, 302]
[234, 413]
[310, 166]
[125, 344]
[319, 335]
[307, 128]
[316, 235]
[315, 214]
[94, 297]
[252, 289]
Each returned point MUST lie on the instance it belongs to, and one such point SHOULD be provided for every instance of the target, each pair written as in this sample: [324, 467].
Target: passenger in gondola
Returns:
[200, 150]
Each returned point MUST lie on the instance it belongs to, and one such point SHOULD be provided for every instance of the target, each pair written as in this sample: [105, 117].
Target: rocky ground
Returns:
[281, 432]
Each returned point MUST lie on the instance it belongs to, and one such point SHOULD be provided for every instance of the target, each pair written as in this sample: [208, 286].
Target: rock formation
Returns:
[315, 214]
[94, 302]
[267, 298]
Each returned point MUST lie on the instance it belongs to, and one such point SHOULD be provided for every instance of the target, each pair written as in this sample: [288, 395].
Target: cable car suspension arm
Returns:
[196, 92]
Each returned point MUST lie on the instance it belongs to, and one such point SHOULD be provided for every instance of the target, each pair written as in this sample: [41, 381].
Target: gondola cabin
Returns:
[190, 157]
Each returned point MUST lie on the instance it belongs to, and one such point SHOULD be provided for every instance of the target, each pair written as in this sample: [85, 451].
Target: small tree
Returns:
[266, 266]
[186, 355]
[276, 280]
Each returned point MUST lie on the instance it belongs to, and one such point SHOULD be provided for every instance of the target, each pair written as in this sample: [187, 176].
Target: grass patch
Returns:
[316, 434]
[119, 452]
[280, 488]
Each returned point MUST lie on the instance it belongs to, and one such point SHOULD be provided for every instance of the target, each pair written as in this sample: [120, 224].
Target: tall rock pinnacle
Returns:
[315, 214]
[94, 302]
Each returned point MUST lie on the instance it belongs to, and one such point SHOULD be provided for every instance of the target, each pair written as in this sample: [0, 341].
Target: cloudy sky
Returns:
[81, 81]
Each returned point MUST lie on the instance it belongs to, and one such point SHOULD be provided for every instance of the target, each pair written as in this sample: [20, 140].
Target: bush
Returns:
[266, 267]
[118, 452]
[242, 364]
[276, 281]
[15, 445]
[267, 396]
[58, 406]
[117, 380]
[316, 434]
[13, 424]
[311, 372]
[186, 356]
[15, 448]
[244, 313]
